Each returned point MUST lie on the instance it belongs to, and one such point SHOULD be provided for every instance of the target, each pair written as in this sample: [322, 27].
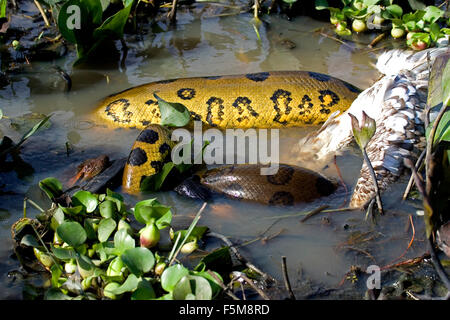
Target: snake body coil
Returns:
[258, 100]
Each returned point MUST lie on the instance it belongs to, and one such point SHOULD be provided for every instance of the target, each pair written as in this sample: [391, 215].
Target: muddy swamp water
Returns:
[208, 40]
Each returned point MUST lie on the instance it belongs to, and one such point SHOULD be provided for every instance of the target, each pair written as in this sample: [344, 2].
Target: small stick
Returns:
[376, 40]
[287, 284]
[374, 178]
[239, 256]
[308, 212]
[225, 289]
[38, 5]
[314, 212]
[338, 40]
[250, 282]
[407, 262]
[409, 245]
[411, 179]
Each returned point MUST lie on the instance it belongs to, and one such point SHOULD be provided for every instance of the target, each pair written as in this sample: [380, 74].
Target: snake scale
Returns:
[257, 100]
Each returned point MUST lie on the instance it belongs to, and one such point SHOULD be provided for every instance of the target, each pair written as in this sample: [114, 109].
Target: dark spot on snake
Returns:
[319, 76]
[258, 77]
[157, 165]
[334, 100]
[351, 87]
[166, 81]
[324, 186]
[163, 148]
[286, 95]
[150, 102]
[137, 157]
[241, 102]
[212, 77]
[186, 93]
[305, 105]
[145, 122]
[282, 198]
[195, 116]
[282, 177]
[125, 104]
[149, 136]
[214, 101]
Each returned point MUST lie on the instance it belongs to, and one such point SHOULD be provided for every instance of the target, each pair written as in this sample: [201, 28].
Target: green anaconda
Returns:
[260, 100]
[290, 185]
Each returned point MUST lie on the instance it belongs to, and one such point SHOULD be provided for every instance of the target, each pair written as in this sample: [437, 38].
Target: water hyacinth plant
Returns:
[92, 250]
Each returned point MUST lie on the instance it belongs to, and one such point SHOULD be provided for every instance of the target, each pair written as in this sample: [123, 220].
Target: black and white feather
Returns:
[397, 103]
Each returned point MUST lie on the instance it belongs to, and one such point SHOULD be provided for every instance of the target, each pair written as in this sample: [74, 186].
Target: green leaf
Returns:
[52, 187]
[29, 241]
[150, 210]
[114, 195]
[130, 284]
[89, 227]
[72, 233]
[215, 286]
[2, 15]
[446, 85]
[395, 10]
[56, 271]
[67, 22]
[85, 198]
[33, 130]
[63, 253]
[55, 294]
[172, 275]
[138, 260]
[94, 9]
[321, 4]
[154, 182]
[107, 209]
[105, 228]
[144, 291]
[123, 241]
[432, 14]
[114, 25]
[192, 287]
[443, 129]
[173, 114]
[71, 210]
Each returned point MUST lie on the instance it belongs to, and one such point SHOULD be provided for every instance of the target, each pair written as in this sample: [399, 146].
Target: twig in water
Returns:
[255, 287]
[338, 40]
[309, 212]
[240, 257]
[314, 212]
[411, 179]
[408, 262]
[376, 40]
[374, 179]
[409, 245]
[38, 5]
[287, 284]
[225, 289]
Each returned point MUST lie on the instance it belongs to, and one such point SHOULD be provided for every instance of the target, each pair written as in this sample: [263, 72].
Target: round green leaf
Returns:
[172, 275]
[107, 209]
[144, 291]
[71, 210]
[72, 233]
[105, 228]
[52, 187]
[123, 241]
[192, 288]
[138, 260]
[85, 198]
